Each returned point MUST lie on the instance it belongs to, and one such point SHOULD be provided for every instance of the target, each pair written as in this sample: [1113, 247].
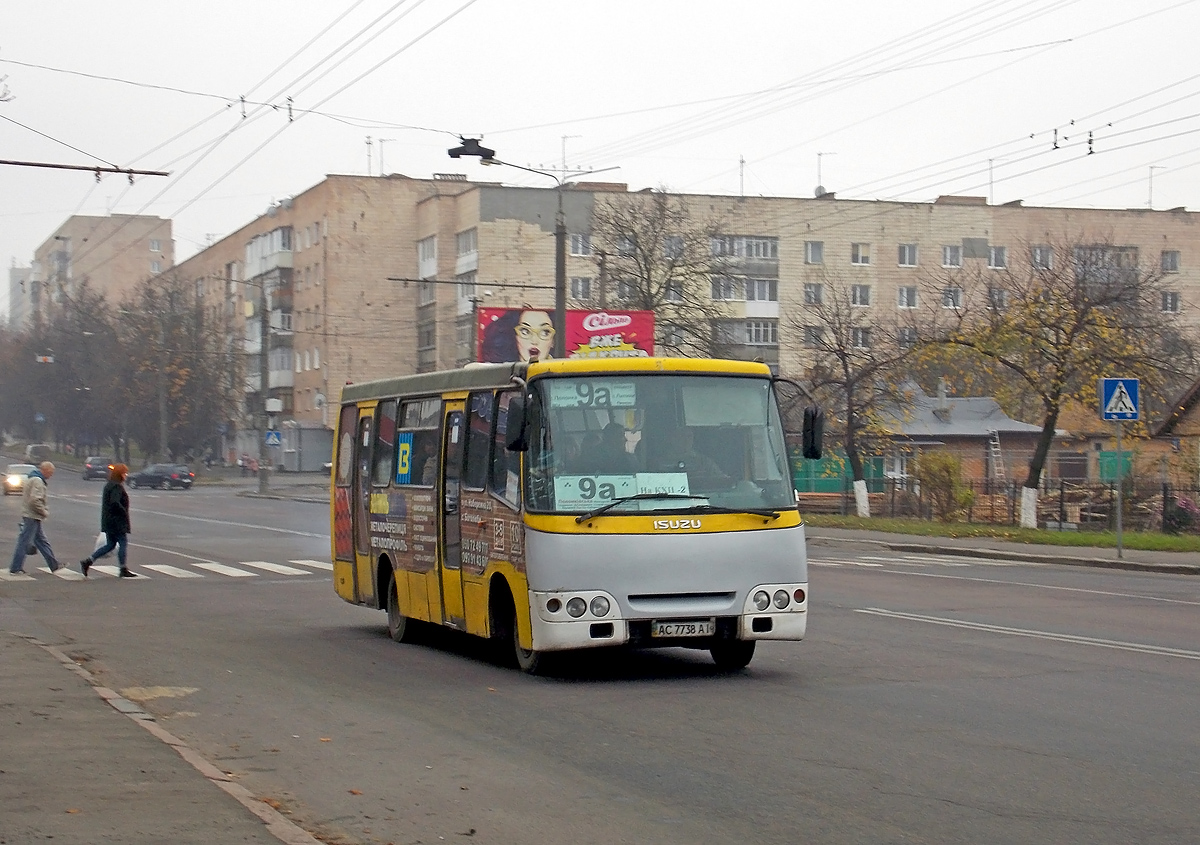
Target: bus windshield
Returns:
[652, 442]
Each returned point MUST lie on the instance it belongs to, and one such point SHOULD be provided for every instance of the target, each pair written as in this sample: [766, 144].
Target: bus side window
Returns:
[385, 443]
[505, 475]
[481, 409]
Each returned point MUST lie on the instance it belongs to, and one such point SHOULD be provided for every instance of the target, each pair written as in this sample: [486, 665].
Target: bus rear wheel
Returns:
[400, 627]
[733, 655]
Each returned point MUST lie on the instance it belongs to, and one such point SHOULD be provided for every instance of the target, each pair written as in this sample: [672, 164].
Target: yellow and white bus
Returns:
[570, 504]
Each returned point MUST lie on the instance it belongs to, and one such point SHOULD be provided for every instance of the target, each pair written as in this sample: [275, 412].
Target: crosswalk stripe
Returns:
[173, 571]
[277, 568]
[107, 569]
[315, 564]
[15, 576]
[222, 569]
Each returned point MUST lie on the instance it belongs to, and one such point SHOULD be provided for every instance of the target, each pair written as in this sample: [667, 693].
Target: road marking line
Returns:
[277, 568]
[1142, 648]
[15, 576]
[173, 571]
[222, 569]
[108, 569]
[1162, 599]
[316, 564]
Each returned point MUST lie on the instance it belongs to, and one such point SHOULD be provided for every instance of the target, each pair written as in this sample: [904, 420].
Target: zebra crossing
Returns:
[298, 567]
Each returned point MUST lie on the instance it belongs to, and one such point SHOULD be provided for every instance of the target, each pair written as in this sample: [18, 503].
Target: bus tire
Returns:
[732, 655]
[400, 627]
[529, 661]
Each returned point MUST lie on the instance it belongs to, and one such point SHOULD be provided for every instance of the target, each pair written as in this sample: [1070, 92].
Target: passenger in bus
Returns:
[678, 454]
[424, 464]
[612, 456]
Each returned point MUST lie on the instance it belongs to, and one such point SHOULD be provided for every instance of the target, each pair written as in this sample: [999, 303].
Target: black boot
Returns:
[85, 565]
[125, 573]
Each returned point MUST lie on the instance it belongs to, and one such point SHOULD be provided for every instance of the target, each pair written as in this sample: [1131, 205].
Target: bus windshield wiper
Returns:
[763, 512]
[639, 496]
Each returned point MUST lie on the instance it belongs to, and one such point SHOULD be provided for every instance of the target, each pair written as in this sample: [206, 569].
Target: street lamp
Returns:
[472, 147]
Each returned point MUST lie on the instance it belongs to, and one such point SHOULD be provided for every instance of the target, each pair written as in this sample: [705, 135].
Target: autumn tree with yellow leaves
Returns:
[1058, 319]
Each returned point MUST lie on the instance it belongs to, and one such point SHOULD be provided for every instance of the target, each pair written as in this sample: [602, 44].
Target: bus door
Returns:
[449, 527]
[364, 586]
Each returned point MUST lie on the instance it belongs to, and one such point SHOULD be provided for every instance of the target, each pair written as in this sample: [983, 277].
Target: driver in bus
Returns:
[679, 454]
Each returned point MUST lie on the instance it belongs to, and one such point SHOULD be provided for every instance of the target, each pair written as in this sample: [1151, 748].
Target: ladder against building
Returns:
[997, 457]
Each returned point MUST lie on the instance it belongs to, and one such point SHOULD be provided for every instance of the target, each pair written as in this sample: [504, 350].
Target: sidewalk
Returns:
[1184, 563]
[81, 764]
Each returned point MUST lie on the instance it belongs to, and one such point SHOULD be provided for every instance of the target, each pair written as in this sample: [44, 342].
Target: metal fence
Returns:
[1062, 505]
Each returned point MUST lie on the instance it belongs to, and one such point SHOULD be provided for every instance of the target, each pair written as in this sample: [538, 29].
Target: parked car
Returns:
[14, 477]
[96, 467]
[38, 452]
[163, 476]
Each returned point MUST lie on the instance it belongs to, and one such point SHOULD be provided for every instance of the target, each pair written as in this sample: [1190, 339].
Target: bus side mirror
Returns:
[814, 432]
[516, 437]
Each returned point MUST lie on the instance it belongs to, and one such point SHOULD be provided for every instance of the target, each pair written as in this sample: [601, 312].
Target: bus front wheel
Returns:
[734, 655]
[400, 627]
[529, 661]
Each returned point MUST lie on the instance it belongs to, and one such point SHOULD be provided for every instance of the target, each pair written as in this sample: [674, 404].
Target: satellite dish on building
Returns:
[319, 400]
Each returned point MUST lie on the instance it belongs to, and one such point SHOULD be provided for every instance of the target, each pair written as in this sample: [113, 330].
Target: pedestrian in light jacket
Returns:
[34, 510]
[114, 521]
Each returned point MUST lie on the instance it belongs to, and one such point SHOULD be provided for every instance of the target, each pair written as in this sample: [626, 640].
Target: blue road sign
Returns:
[274, 438]
[1119, 399]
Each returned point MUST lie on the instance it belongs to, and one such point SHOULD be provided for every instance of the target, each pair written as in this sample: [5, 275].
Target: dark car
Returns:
[163, 476]
[96, 467]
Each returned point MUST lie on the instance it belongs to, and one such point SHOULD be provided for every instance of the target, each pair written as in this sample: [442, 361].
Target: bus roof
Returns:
[483, 376]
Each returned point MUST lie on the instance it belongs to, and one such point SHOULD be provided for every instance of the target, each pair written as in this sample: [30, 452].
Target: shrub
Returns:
[940, 475]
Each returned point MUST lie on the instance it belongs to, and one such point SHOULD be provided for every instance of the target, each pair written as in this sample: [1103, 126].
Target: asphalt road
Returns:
[936, 699]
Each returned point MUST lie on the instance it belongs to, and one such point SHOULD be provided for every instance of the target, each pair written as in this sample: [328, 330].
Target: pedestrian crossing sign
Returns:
[1119, 399]
[274, 438]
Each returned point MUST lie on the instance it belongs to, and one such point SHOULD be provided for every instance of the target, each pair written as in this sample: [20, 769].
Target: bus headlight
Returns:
[781, 599]
[554, 605]
[599, 606]
[576, 607]
[762, 600]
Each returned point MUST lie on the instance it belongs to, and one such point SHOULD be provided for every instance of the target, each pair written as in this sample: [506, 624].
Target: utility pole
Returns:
[560, 278]
[603, 279]
[164, 452]
[264, 373]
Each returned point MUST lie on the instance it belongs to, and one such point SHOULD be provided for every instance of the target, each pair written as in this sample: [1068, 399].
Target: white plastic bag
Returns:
[101, 540]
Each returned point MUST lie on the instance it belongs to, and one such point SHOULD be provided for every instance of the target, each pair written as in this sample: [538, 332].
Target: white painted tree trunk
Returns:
[1029, 499]
[862, 503]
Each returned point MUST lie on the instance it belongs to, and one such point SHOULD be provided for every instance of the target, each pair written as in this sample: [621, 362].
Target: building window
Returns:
[952, 297]
[466, 284]
[997, 257]
[426, 293]
[467, 242]
[724, 288]
[672, 246]
[814, 252]
[1170, 301]
[907, 255]
[1042, 257]
[997, 299]
[744, 246]
[762, 332]
[285, 321]
[906, 297]
[581, 245]
[427, 336]
[907, 337]
[813, 335]
[762, 290]
[626, 290]
[155, 245]
[952, 255]
[427, 248]
[814, 293]
[860, 253]
[581, 288]
[860, 295]
[626, 245]
[673, 291]
[155, 266]
[860, 337]
[673, 335]
[1170, 261]
[316, 359]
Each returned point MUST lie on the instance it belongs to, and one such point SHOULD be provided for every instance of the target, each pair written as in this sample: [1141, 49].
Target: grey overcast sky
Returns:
[895, 100]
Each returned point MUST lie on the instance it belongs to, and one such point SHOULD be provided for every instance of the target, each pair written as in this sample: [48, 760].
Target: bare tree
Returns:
[659, 258]
[1070, 313]
[854, 367]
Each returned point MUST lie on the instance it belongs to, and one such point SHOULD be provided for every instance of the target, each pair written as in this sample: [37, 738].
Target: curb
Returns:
[1025, 557]
[281, 828]
[280, 497]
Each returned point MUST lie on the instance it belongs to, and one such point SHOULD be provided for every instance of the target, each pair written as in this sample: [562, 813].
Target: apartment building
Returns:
[373, 276]
[18, 302]
[112, 254]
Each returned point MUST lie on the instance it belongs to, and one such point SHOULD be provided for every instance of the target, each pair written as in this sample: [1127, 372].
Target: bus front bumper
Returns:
[554, 628]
